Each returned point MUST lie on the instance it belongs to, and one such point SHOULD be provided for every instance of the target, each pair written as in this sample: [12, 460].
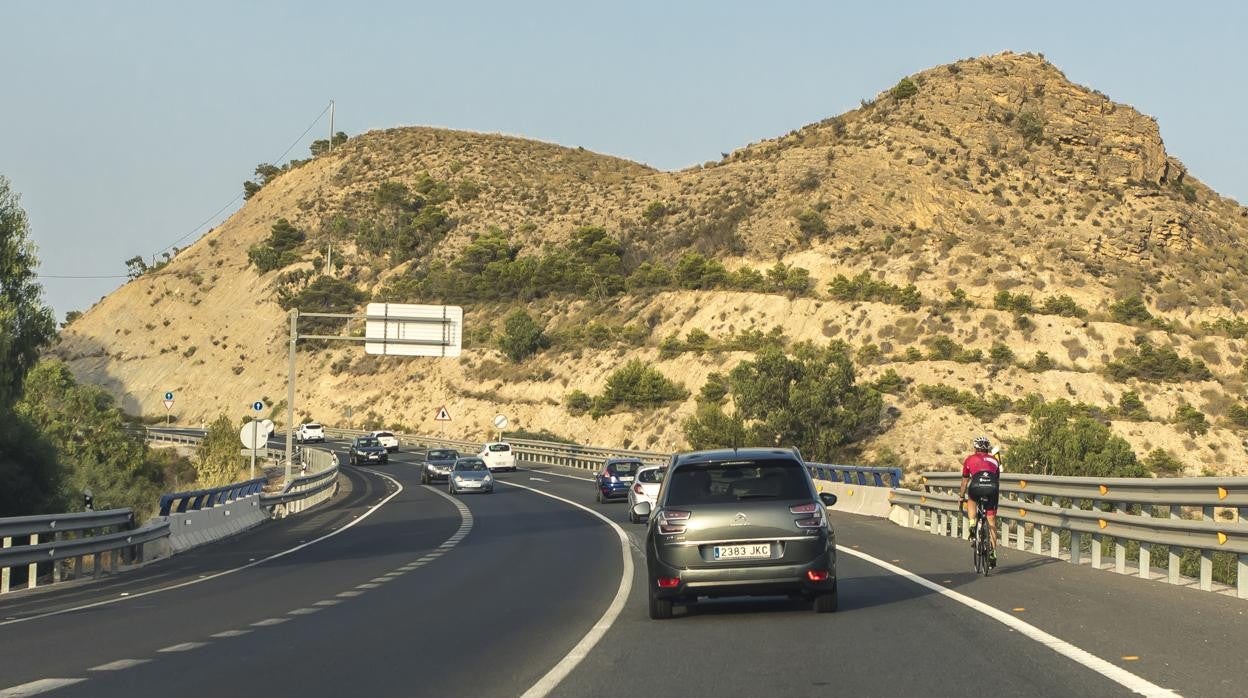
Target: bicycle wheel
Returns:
[975, 548]
[983, 546]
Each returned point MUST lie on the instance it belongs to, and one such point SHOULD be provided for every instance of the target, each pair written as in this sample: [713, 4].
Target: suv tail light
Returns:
[667, 516]
[638, 490]
[811, 516]
[810, 508]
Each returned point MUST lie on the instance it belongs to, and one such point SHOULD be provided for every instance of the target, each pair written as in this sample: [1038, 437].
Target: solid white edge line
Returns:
[34, 688]
[1117, 674]
[577, 654]
[373, 509]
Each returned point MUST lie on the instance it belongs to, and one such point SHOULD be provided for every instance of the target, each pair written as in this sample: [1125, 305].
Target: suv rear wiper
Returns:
[757, 496]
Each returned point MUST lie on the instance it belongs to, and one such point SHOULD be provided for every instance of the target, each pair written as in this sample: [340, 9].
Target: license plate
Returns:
[626, 478]
[751, 551]
[470, 483]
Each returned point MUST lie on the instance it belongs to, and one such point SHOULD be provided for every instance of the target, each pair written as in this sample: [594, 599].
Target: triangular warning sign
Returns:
[443, 415]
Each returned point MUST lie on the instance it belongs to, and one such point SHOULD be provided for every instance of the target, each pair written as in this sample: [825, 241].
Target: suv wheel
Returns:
[826, 603]
[660, 609]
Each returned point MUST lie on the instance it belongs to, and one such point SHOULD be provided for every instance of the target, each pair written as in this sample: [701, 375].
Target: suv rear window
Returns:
[311, 426]
[711, 483]
[651, 477]
[623, 467]
[497, 448]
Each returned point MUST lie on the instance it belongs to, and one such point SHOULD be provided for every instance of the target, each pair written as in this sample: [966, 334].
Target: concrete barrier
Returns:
[192, 528]
[858, 499]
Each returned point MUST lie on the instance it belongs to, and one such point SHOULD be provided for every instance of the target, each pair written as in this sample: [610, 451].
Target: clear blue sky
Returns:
[124, 125]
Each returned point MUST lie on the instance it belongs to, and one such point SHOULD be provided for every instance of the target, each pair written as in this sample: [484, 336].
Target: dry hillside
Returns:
[986, 175]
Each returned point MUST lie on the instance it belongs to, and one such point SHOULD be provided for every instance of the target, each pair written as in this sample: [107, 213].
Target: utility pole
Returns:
[290, 393]
[329, 263]
[331, 125]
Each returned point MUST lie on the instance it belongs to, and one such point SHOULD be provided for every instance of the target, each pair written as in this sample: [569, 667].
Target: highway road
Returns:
[394, 589]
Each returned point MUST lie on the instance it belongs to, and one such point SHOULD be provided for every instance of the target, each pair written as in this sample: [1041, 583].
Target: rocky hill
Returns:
[984, 230]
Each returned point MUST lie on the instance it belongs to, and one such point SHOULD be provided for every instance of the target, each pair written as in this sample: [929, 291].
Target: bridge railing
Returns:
[58, 544]
[1123, 518]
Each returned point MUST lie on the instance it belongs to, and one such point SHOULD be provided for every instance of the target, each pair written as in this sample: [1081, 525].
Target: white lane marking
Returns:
[304, 611]
[539, 479]
[1110, 671]
[182, 647]
[348, 594]
[369, 585]
[383, 578]
[372, 510]
[551, 472]
[577, 654]
[34, 688]
[328, 602]
[230, 633]
[119, 665]
[269, 621]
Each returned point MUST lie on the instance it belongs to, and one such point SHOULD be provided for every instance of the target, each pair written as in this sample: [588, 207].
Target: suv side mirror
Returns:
[641, 510]
[827, 498]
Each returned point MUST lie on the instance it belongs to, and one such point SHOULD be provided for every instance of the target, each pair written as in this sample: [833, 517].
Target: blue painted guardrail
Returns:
[858, 474]
[181, 502]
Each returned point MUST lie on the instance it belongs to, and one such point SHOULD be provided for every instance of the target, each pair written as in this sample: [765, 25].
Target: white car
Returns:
[310, 432]
[645, 488]
[498, 456]
[390, 441]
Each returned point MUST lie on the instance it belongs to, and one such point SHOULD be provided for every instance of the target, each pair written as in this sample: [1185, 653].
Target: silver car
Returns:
[738, 522]
[470, 475]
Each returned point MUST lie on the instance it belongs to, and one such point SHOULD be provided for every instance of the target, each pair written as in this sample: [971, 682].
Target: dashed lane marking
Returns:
[348, 594]
[369, 585]
[551, 472]
[328, 602]
[230, 633]
[34, 688]
[182, 647]
[371, 510]
[304, 611]
[119, 665]
[268, 622]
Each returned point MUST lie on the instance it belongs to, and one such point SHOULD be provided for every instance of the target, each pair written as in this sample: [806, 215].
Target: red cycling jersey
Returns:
[980, 462]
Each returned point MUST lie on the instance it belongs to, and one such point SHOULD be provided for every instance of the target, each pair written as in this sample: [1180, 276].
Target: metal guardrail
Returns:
[869, 476]
[181, 502]
[45, 543]
[306, 490]
[1055, 515]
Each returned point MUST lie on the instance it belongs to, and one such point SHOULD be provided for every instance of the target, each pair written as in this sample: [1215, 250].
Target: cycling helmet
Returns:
[982, 443]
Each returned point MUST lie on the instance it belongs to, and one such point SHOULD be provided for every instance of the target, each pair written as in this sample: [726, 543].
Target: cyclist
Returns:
[980, 477]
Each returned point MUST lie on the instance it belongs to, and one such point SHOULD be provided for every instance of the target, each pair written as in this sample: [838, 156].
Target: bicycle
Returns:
[981, 540]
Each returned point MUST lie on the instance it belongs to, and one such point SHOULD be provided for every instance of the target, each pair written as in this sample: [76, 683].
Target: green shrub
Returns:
[578, 402]
[1062, 441]
[637, 385]
[278, 250]
[805, 397]
[1162, 463]
[890, 382]
[693, 271]
[957, 300]
[986, 408]
[1237, 414]
[869, 354]
[1190, 420]
[904, 89]
[654, 212]
[1000, 354]
[1131, 407]
[1031, 126]
[670, 347]
[1062, 305]
[522, 336]
[1013, 302]
[467, 190]
[941, 348]
[697, 341]
[1042, 362]
[1130, 309]
[715, 389]
[811, 224]
[1149, 362]
[1236, 328]
[912, 354]
[864, 288]
[650, 276]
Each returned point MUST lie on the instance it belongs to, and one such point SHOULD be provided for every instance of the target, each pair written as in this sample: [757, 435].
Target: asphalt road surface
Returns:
[394, 589]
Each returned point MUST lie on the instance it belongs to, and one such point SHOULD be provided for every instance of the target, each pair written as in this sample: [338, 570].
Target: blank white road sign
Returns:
[403, 329]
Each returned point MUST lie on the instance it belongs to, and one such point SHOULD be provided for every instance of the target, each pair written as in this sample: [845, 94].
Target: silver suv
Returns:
[738, 522]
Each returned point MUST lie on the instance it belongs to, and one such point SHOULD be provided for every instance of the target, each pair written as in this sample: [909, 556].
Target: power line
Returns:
[197, 228]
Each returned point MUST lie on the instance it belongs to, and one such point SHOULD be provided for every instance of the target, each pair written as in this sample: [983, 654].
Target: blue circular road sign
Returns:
[169, 396]
[257, 405]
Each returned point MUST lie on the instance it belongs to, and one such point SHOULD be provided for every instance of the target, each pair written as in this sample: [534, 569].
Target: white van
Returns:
[498, 456]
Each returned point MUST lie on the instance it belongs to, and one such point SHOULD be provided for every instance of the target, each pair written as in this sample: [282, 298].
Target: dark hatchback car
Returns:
[616, 476]
[438, 464]
[367, 449]
[738, 522]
